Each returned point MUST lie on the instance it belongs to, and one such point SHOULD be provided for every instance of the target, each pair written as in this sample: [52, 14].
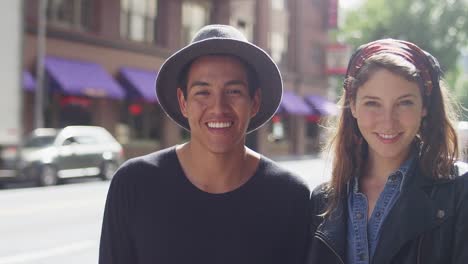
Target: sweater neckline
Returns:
[245, 186]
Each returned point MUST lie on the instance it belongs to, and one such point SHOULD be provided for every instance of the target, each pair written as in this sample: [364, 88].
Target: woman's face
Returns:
[388, 110]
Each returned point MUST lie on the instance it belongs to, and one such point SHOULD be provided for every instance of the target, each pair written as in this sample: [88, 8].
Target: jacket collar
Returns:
[413, 213]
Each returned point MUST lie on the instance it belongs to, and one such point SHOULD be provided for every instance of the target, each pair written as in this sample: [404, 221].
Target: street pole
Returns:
[41, 50]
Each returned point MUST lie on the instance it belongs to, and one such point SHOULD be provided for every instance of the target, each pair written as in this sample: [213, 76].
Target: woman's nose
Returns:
[389, 116]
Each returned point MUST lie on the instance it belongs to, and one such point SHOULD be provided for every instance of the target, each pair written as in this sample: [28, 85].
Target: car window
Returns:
[39, 141]
[69, 141]
[85, 140]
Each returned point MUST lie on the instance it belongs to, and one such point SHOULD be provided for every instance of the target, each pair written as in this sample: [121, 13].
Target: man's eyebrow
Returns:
[236, 82]
[199, 83]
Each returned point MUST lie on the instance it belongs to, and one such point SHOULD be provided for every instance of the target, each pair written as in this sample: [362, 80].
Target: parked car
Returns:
[49, 156]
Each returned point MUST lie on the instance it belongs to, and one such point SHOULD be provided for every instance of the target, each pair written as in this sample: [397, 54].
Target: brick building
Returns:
[102, 57]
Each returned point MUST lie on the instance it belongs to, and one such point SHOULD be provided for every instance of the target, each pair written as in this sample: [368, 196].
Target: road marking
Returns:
[47, 253]
[51, 206]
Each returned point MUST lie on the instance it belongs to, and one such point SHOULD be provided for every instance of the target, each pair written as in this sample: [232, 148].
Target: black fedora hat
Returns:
[221, 40]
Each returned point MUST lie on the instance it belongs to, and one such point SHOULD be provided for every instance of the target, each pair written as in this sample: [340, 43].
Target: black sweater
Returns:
[154, 214]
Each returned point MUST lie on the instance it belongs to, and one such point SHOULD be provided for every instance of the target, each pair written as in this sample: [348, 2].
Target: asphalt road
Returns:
[61, 224]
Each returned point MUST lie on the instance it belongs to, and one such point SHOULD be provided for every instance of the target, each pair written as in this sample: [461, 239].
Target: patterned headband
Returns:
[407, 50]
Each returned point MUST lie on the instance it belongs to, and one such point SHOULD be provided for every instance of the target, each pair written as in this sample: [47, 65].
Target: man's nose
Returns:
[219, 103]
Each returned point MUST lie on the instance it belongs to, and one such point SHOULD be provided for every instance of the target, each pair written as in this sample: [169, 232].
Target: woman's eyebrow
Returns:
[407, 95]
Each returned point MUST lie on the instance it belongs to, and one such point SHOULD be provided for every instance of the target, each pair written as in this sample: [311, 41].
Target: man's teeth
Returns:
[219, 124]
[388, 136]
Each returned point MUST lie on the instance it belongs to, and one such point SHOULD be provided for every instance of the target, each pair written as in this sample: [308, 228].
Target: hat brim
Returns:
[269, 77]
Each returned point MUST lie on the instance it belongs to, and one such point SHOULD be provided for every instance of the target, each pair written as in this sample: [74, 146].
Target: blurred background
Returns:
[94, 63]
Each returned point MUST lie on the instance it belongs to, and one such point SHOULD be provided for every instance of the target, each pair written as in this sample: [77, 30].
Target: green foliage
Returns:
[461, 94]
[438, 26]
[457, 82]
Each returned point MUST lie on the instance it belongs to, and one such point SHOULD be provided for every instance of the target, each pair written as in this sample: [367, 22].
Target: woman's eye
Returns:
[371, 103]
[406, 102]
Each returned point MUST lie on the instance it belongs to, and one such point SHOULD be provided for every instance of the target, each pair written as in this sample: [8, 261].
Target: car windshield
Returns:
[39, 141]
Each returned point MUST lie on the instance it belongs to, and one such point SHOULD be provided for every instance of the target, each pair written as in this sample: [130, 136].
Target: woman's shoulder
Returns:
[321, 191]
[319, 197]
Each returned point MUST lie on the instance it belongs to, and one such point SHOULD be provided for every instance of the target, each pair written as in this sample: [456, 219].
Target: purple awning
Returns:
[76, 77]
[322, 105]
[140, 83]
[294, 104]
[28, 81]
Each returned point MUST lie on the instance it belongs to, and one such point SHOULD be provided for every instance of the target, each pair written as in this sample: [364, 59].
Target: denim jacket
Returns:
[363, 234]
[428, 223]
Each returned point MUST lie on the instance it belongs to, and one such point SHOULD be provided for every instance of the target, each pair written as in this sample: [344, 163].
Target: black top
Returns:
[427, 224]
[154, 214]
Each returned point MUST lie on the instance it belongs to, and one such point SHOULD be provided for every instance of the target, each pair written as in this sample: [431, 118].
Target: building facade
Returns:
[102, 58]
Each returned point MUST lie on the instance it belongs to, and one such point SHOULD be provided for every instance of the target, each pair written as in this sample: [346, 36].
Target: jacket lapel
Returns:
[413, 213]
[333, 230]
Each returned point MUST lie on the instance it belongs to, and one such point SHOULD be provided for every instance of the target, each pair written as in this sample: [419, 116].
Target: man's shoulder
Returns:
[274, 172]
[157, 159]
[161, 161]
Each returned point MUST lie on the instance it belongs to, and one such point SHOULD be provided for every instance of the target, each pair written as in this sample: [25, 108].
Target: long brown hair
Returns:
[436, 139]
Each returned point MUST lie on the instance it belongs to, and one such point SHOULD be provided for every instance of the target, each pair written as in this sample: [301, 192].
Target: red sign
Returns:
[75, 100]
[135, 109]
[332, 13]
[276, 119]
[313, 118]
[337, 58]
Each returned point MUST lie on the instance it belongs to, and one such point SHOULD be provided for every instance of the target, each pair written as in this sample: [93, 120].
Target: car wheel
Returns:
[47, 176]
[108, 169]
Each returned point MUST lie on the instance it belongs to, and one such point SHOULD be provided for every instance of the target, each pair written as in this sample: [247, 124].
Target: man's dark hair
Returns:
[252, 80]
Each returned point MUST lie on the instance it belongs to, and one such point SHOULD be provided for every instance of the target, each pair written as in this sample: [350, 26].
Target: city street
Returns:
[61, 224]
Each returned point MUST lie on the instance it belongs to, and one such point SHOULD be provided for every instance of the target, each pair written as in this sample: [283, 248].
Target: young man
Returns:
[211, 200]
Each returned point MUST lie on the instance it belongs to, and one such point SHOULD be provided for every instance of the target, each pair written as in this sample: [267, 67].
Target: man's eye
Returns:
[234, 91]
[202, 93]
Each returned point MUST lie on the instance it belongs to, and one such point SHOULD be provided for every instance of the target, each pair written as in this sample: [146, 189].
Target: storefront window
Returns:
[144, 119]
[76, 14]
[279, 31]
[279, 126]
[138, 20]
[277, 4]
[195, 15]
[243, 16]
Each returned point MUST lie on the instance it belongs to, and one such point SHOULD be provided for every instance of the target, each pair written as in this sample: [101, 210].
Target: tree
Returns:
[438, 26]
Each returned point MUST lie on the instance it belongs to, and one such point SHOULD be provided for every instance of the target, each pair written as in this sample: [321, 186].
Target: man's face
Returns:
[218, 105]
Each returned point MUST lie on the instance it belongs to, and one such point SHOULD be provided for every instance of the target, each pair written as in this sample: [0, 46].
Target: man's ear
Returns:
[256, 101]
[182, 102]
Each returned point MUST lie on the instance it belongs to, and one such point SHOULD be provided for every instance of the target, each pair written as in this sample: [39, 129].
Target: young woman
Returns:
[396, 194]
